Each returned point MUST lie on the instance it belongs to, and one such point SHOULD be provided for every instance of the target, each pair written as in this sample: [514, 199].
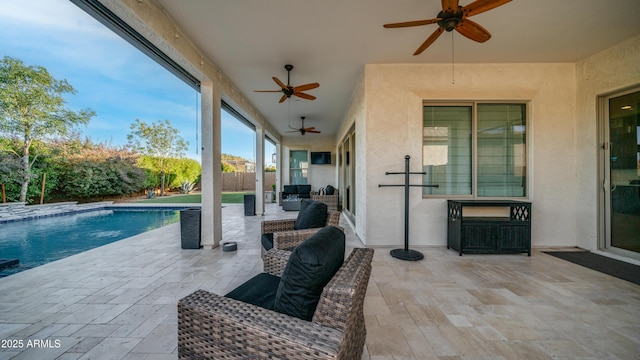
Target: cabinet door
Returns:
[513, 238]
[479, 237]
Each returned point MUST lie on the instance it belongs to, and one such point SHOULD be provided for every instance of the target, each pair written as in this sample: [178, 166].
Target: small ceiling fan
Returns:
[454, 16]
[303, 130]
[289, 90]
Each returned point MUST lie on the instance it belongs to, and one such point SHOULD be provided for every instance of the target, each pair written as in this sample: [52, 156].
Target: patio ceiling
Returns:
[330, 41]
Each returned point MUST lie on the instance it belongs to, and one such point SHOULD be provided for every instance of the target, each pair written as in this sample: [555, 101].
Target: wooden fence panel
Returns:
[238, 181]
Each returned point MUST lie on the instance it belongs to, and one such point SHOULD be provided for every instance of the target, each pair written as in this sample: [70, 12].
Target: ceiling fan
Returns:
[454, 16]
[303, 130]
[289, 90]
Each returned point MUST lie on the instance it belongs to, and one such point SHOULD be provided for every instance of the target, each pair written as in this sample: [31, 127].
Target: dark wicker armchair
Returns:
[332, 201]
[285, 237]
[216, 327]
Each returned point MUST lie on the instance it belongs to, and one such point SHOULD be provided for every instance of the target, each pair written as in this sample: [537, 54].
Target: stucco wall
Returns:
[393, 98]
[612, 70]
[319, 175]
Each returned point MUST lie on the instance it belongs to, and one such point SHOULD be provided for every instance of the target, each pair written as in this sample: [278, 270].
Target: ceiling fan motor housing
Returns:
[449, 20]
[288, 91]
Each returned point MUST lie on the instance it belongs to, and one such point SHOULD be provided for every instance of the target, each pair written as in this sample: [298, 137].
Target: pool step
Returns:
[5, 263]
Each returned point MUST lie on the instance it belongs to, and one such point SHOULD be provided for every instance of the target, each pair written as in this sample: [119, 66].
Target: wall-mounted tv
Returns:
[321, 158]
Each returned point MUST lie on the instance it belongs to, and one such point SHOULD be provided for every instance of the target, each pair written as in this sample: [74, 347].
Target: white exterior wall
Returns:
[394, 97]
[319, 175]
[612, 70]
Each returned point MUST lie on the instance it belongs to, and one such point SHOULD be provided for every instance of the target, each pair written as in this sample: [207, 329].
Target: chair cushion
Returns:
[304, 190]
[303, 204]
[313, 214]
[260, 290]
[290, 189]
[267, 241]
[310, 267]
[329, 190]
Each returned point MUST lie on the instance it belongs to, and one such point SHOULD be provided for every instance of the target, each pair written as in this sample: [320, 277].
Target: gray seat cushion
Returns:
[330, 190]
[313, 214]
[310, 267]
[304, 191]
[260, 290]
[289, 190]
[267, 241]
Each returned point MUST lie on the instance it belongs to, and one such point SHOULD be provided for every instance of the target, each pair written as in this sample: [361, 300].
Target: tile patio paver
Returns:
[119, 301]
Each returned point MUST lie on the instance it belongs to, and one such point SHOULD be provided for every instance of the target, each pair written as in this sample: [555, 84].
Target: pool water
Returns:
[39, 241]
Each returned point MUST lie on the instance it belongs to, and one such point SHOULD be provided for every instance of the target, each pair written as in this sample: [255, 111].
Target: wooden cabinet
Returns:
[510, 232]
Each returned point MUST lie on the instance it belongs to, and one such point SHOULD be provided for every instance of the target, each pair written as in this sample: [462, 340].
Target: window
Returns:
[475, 150]
[298, 165]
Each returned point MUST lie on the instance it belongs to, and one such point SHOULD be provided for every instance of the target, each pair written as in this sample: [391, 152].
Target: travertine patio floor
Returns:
[119, 301]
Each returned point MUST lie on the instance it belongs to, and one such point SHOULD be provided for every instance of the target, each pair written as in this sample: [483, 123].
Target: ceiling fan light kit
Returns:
[454, 17]
[449, 20]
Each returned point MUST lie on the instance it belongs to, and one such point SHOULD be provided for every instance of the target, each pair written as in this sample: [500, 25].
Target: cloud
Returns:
[53, 15]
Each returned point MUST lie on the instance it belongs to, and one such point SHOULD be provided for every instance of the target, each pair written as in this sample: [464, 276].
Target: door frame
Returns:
[604, 175]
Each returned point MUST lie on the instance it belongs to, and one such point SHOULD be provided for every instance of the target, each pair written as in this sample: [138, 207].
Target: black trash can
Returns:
[249, 205]
[190, 228]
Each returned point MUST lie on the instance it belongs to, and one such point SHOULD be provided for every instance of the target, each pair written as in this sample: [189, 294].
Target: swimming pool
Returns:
[38, 241]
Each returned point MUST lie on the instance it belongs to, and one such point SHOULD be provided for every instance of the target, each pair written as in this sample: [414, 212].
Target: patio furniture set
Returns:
[292, 196]
[307, 304]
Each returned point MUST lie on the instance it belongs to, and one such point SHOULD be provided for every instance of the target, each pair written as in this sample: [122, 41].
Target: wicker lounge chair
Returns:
[330, 200]
[286, 237]
[217, 327]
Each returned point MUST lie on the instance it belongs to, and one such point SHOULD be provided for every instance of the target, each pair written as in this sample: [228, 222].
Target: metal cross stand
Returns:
[406, 254]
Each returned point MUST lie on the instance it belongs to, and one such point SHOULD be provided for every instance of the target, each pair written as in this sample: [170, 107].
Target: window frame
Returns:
[474, 147]
[302, 169]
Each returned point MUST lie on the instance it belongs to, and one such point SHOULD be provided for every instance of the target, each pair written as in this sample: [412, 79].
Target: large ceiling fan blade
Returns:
[280, 83]
[436, 34]
[305, 87]
[473, 31]
[292, 131]
[304, 96]
[411, 23]
[480, 6]
[283, 98]
[313, 131]
[450, 6]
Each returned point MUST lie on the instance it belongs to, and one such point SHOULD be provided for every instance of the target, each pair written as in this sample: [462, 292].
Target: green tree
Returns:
[186, 170]
[97, 171]
[10, 171]
[32, 107]
[226, 167]
[160, 141]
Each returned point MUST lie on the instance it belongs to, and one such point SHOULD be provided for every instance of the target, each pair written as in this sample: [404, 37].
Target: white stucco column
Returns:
[211, 180]
[259, 170]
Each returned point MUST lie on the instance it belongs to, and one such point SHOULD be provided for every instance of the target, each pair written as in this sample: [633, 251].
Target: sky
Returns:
[110, 76]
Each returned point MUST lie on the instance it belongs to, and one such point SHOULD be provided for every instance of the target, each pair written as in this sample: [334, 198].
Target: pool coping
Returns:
[31, 212]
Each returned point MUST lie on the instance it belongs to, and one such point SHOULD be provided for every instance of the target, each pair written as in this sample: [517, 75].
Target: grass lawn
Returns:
[227, 198]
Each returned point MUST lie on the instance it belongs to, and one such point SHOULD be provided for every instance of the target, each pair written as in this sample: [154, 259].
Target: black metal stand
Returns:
[406, 253]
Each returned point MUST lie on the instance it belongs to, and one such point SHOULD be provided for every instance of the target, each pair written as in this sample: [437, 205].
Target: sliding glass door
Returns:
[347, 174]
[621, 168]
